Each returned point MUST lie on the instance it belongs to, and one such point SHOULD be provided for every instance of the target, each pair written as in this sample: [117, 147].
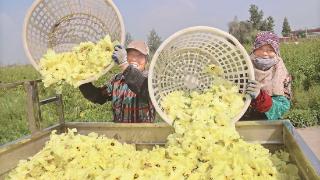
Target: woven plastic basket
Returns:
[179, 64]
[62, 24]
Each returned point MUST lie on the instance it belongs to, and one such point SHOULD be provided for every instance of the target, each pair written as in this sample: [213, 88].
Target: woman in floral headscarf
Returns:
[271, 92]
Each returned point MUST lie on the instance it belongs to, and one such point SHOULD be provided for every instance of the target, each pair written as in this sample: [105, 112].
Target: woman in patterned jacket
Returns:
[128, 90]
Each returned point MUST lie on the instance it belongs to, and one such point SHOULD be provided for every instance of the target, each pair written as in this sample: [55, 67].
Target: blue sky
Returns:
[165, 16]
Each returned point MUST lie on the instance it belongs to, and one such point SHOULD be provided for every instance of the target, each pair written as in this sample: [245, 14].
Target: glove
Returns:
[253, 88]
[119, 55]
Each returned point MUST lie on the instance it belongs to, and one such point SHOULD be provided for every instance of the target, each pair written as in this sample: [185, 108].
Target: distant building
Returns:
[307, 33]
[289, 39]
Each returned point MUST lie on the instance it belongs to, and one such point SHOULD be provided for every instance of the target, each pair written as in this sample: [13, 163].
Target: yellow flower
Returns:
[84, 61]
[205, 145]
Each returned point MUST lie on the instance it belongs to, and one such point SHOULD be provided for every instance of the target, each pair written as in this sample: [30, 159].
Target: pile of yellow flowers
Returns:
[204, 146]
[85, 61]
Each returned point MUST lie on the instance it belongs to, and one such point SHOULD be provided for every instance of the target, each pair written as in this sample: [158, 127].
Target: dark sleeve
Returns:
[94, 94]
[136, 81]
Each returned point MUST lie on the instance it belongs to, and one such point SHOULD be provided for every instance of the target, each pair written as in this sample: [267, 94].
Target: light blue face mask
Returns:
[264, 63]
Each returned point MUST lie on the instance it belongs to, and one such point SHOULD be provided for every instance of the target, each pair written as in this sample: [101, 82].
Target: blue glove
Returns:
[119, 55]
[253, 88]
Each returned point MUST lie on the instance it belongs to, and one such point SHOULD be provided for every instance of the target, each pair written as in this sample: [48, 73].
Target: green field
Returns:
[13, 115]
[302, 60]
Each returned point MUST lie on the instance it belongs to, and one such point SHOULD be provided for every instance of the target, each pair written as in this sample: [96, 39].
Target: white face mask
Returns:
[264, 63]
[135, 65]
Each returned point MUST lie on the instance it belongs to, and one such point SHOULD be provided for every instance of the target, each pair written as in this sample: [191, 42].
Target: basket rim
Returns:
[184, 31]
[26, 46]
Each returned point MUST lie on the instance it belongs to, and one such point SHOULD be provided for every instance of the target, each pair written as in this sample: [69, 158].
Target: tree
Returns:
[242, 30]
[128, 39]
[234, 26]
[286, 29]
[264, 25]
[256, 16]
[301, 34]
[270, 24]
[154, 41]
[267, 24]
[245, 31]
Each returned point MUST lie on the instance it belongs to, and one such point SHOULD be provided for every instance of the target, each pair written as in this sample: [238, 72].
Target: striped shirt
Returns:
[128, 92]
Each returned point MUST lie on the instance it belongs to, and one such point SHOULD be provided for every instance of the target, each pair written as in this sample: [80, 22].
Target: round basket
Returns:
[62, 24]
[179, 64]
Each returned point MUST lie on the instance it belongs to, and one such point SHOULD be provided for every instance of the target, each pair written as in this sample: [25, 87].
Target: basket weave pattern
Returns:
[62, 24]
[180, 62]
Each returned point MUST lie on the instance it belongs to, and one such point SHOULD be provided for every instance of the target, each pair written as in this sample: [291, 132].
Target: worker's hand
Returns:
[253, 88]
[119, 55]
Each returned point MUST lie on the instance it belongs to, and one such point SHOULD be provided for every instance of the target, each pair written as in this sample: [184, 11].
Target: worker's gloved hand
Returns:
[119, 55]
[253, 88]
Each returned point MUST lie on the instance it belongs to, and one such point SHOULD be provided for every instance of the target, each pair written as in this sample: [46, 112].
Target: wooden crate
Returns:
[271, 134]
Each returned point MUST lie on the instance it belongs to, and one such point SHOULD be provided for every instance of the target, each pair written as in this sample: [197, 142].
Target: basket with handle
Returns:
[62, 24]
[179, 63]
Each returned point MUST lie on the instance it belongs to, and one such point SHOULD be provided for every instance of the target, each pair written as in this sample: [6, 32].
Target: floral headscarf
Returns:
[267, 37]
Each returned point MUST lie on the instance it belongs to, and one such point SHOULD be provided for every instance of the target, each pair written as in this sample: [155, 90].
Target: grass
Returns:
[13, 123]
[303, 62]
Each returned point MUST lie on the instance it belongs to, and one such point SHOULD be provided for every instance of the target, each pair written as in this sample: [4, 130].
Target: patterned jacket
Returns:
[129, 94]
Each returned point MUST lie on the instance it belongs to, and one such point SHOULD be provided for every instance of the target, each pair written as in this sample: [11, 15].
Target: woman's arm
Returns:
[280, 105]
[94, 94]
[273, 107]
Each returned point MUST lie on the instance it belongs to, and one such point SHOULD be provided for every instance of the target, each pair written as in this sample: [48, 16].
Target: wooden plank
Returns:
[155, 133]
[10, 85]
[48, 100]
[311, 136]
[304, 158]
[14, 84]
[11, 153]
[33, 107]
[60, 112]
[149, 146]
[146, 135]
[262, 132]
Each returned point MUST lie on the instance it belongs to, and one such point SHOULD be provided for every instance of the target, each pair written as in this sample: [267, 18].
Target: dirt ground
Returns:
[311, 136]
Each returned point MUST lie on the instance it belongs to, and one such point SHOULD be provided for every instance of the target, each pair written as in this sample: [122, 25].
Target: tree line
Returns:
[246, 30]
